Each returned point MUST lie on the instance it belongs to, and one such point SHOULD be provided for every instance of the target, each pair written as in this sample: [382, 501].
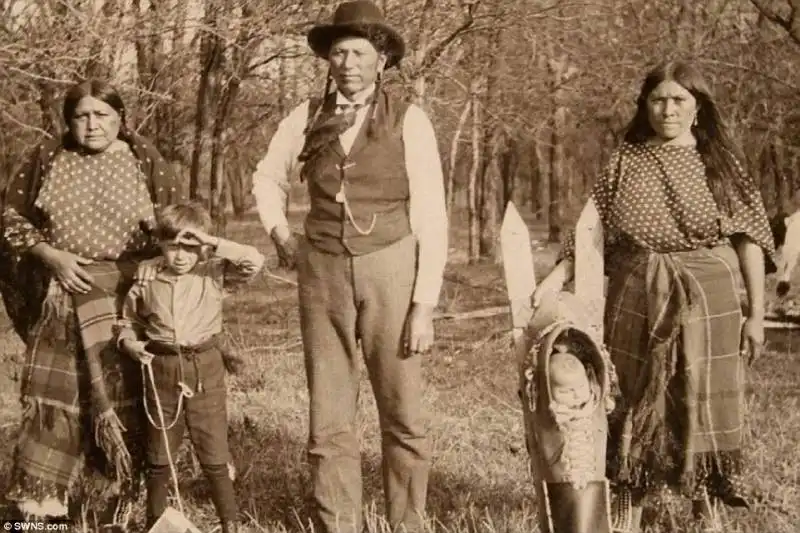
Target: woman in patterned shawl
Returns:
[73, 233]
[684, 226]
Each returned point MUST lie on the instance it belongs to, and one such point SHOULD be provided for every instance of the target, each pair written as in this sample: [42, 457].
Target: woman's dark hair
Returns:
[724, 174]
[99, 89]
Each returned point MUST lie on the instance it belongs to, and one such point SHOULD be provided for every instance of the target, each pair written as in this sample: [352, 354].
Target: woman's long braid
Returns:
[124, 131]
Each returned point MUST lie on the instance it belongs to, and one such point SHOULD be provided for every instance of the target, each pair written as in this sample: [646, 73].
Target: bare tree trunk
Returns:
[210, 61]
[420, 51]
[451, 168]
[560, 179]
[217, 181]
[509, 169]
[240, 61]
[782, 188]
[236, 178]
[283, 85]
[151, 52]
[558, 186]
[766, 171]
[492, 137]
[490, 183]
[472, 188]
[540, 190]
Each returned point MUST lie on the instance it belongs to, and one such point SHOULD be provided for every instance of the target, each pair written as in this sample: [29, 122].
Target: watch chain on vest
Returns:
[359, 201]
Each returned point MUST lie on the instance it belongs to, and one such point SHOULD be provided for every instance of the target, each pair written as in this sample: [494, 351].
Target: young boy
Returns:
[173, 322]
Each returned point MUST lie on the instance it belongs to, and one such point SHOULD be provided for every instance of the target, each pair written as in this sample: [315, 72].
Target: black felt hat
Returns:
[360, 18]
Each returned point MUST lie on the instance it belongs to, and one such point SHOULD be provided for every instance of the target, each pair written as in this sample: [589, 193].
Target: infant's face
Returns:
[570, 396]
[568, 379]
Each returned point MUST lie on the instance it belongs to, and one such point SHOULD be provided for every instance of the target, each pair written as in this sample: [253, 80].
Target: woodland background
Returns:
[527, 96]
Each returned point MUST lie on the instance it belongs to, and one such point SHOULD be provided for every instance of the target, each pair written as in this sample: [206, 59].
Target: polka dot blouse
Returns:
[93, 205]
[657, 197]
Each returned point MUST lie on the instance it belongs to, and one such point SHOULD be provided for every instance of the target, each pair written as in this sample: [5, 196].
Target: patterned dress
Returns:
[93, 206]
[673, 320]
[77, 392]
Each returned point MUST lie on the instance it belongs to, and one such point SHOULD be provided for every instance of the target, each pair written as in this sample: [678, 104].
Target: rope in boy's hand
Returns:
[136, 349]
[147, 368]
[279, 278]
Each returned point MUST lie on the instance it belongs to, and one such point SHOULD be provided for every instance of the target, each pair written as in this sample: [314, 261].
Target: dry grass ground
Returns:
[479, 481]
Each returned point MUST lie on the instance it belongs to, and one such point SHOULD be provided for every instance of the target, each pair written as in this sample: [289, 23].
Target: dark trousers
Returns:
[204, 415]
[344, 299]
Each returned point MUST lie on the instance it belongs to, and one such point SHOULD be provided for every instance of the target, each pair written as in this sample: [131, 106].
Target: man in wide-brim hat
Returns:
[370, 267]
[358, 19]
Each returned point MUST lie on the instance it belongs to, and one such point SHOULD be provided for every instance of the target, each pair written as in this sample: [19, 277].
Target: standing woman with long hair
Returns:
[684, 226]
[74, 225]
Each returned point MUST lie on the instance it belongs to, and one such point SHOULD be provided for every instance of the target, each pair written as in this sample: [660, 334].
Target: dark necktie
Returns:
[328, 127]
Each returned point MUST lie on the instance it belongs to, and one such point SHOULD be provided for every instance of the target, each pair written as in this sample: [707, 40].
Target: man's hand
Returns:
[286, 246]
[419, 337]
[136, 350]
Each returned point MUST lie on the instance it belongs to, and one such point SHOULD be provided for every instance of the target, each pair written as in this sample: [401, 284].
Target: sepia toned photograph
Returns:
[400, 266]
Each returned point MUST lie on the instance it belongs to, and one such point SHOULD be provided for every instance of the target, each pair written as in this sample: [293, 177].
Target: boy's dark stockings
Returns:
[159, 483]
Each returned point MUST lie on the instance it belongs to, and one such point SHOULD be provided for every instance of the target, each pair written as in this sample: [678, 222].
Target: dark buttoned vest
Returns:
[372, 178]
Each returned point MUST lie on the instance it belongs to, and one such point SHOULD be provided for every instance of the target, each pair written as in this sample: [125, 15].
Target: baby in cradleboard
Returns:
[569, 380]
[172, 324]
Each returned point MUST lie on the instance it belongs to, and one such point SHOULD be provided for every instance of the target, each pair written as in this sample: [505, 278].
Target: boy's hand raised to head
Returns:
[200, 236]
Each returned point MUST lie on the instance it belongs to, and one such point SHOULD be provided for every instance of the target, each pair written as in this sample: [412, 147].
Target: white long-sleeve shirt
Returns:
[427, 210]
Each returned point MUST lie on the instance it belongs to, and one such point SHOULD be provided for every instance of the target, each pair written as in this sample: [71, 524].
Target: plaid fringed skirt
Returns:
[81, 400]
[673, 329]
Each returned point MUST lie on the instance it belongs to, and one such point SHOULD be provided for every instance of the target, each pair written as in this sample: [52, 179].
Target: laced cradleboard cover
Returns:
[567, 384]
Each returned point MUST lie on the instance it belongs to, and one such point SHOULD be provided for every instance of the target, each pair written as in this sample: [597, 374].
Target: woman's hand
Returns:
[752, 339]
[751, 259]
[148, 269]
[548, 288]
[67, 268]
[553, 283]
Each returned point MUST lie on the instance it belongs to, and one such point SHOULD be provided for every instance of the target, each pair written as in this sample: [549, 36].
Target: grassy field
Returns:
[479, 481]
